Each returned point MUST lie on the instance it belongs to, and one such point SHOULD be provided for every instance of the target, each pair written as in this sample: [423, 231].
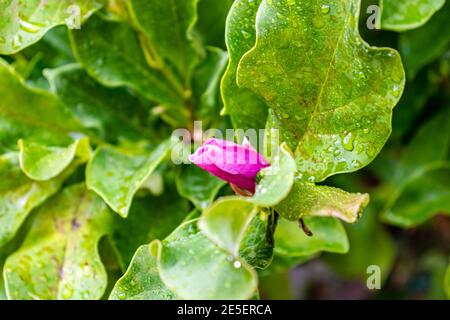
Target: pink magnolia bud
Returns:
[231, 162]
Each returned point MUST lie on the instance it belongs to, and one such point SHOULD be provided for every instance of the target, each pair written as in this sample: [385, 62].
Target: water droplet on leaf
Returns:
[325, 8]
[246, 34]
[348, 142]
[396, 90]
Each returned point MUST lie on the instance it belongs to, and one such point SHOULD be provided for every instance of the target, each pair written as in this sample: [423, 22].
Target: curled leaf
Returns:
[306, 199]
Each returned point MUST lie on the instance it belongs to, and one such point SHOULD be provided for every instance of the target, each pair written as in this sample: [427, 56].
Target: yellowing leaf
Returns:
[19, 195]
[59, 258]
[307, 199]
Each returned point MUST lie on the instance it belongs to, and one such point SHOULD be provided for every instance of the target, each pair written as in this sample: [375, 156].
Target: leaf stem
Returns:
[305, 228]
[154, 61]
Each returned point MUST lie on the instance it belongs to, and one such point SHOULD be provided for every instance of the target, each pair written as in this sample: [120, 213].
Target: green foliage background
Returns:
[92, 207]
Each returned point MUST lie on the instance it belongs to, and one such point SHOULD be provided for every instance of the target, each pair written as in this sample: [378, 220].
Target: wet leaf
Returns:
[193, 267]
[142, 280]
[31, 114]
[226, 221]
[116, 176]
[317, 75]
[257, 245]
[168, 25]
[41, 162]
[19, 195]
[112, 54]
[240, 37]
[198, 186]
[276, 181]
[59, 258]
[150, 218]
[111, 114]
[26, 22]
[306, 199]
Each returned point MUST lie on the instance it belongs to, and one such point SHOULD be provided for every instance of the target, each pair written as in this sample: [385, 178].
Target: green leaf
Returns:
[31, 114]
[212, 15]
[328, 235]
[206, 84]
[195, 268]
[116, 176]
[226, 221]
[19, 195]
[59, 258]
[257, 245]
[198, 186]
[306, 199]
[421, 46]
[52, 51]
[168, 26]
[332, 93]
[277, 180]
[112, 114]
[240, 37]
[41, 162]
[26, 22]
[150, 218]
[371, 244]
[112, 54]
[142, 280]
[402, 15]
[424, 150]
[419, 185]
[423, 195]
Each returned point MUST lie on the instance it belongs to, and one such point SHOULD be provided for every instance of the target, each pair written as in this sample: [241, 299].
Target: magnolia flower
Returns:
[234, 163]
